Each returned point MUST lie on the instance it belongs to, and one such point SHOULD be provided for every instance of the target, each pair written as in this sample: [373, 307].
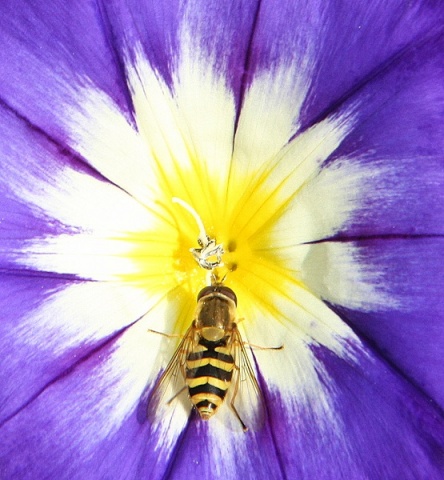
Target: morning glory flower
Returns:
[308, 139]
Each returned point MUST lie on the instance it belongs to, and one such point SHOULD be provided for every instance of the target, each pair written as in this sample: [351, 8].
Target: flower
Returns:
[308, 138]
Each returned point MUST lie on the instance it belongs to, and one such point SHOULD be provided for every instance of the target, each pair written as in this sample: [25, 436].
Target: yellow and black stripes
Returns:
[208, 375]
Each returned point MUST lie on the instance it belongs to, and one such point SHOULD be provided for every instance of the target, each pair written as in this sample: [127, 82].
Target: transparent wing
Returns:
[170, 392]
[245, 397]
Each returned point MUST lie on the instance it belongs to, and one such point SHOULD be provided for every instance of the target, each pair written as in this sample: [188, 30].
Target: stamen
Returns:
[203, 237]
[208, 246]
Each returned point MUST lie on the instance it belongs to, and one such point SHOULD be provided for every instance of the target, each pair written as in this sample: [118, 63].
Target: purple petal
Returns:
[49, 197]
[398, 139]
[397, 227]
[51, 317]
[407, 330]
[367, 422]
[85, 424]
[50, 50]
[317, 56]
[340, 46]
[209, 450]
[221, 29]
[354, 44]
[48, 327]
[59, 70]
[33, 167]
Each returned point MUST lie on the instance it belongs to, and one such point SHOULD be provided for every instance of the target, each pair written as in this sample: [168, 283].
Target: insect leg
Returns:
[177, 394]
[260, 347]
[168, 335]
[257, 347]
[236, 388]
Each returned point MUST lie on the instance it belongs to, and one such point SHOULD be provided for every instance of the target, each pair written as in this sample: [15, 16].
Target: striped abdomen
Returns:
[209, 369]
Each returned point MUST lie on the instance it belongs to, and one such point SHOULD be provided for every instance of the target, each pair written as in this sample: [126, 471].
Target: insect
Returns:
[211, 364]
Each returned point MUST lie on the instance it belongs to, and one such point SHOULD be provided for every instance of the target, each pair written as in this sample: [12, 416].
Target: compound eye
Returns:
[222, 289]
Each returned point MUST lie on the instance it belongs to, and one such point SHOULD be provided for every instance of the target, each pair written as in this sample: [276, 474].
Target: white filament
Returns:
[209, 255]
[203, 237]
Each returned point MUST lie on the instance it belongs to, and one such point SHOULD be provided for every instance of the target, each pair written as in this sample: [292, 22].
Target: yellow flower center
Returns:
[238, 213]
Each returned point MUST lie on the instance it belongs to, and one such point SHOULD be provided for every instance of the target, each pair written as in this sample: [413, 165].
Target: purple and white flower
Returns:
[309, 137]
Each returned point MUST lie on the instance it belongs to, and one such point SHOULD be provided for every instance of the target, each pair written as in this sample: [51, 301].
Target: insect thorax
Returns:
[215, 315]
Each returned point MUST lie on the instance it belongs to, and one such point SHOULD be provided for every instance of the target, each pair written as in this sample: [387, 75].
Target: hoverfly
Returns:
[211, 364]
